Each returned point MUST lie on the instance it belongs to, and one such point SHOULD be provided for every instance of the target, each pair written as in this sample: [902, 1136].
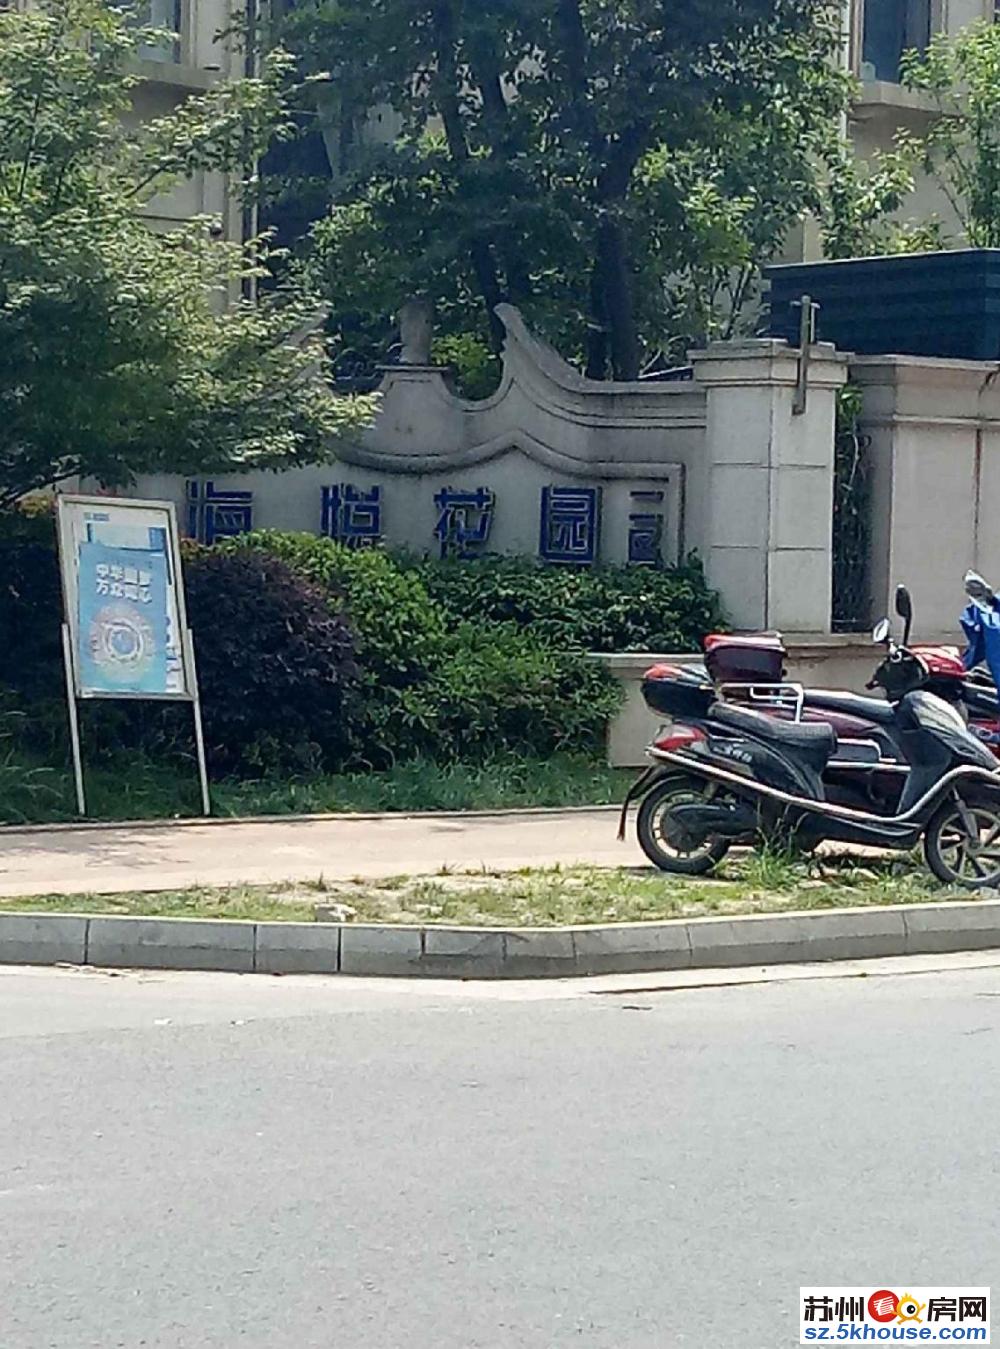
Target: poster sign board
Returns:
[124, 598]
[125, 633]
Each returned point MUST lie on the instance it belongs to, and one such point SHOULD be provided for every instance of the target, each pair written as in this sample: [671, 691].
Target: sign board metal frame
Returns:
[71, 511]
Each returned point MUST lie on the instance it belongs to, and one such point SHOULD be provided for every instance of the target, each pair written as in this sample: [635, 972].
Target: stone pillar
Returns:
[934, 430]
[769, 538]
[416, 331]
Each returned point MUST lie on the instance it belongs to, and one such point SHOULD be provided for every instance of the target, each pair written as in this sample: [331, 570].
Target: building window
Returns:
[892, 27]
[167, 15]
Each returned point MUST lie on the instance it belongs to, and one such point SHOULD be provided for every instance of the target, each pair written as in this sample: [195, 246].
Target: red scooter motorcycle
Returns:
[868, 770]
[722, 775]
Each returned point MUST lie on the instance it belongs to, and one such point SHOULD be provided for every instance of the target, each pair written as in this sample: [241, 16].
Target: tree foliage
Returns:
[860, 203]
[962, 148]
[617, 168]
[118, 353]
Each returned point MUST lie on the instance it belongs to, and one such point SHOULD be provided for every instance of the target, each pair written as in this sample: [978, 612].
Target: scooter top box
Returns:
[678, 690]
[757, 659]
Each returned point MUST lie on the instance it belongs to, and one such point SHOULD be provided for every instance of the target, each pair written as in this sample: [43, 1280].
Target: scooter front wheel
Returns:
[666, 842]
[962, 845]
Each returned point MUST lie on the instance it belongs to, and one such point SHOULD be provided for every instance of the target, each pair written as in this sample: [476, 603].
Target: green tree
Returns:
[962, 147]
[859, 203]
[118, 352]
[603, 164]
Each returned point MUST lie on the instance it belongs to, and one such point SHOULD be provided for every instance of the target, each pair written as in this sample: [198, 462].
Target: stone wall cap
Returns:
[757, 347]
[797, 643]
[617, 660]
[905, 364]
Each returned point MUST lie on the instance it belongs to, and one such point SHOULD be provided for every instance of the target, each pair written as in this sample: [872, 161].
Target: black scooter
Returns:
[735, 776]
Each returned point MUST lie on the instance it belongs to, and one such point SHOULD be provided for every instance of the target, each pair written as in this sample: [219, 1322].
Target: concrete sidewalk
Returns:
[118, 858]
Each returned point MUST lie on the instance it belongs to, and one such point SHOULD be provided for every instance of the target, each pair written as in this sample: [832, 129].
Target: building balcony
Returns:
[176, 75]
[879, 97]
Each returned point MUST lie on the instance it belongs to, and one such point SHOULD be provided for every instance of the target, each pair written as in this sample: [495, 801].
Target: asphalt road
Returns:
[226, 1161]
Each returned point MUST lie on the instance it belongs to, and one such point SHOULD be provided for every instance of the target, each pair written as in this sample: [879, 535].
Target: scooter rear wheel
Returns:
[671, 848]
[962, 846]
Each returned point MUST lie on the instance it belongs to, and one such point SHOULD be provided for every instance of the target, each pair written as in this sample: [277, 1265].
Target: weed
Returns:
[542, 898]
[138, 788]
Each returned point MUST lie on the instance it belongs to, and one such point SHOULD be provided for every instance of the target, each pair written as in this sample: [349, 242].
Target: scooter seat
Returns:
[814, 742]
[876, 710]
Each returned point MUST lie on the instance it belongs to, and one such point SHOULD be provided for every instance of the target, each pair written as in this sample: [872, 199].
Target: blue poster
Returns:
[123, 620]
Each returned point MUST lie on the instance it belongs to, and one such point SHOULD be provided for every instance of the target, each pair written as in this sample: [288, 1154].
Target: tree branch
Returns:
[35, 110]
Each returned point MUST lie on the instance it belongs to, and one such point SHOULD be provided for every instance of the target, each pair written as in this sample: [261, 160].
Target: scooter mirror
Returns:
[881, 634]
[904, 607]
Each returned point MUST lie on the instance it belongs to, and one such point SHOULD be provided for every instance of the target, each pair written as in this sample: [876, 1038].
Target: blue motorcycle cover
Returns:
[981, 625]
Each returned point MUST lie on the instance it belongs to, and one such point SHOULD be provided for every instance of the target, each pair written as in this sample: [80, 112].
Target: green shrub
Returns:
[275, 662]
[438, 684]
[399, 632]
[31, 520]
[605, 609]
[32, 676]
[311, 656]
[500, 688]
[398, 627]
[31, 665]
[275, 666]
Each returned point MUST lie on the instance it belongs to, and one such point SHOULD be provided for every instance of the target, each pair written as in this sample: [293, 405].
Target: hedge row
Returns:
[602, 609]
[313, 656]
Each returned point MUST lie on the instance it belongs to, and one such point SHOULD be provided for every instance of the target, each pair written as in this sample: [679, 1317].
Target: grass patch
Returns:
[543, 897]
[136, 788]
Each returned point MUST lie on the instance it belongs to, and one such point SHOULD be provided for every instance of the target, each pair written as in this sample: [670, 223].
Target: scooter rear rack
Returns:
[790, 696]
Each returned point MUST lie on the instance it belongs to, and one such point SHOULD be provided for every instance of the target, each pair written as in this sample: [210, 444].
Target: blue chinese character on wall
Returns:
[217, 513]
[570, 524]
[352, 516]
[464, 521]
[645, 529]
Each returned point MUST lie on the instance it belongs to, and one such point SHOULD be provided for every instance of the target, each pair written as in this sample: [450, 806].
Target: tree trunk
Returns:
[613, 333]
[571, 34]
[614, 281]
[496, 120]
[597, 330]
[488, 278]
[447, 95]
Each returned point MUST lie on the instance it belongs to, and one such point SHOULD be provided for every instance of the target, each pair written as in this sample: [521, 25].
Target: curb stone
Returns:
[43, 939]
[497, 953]
[307, 949]
[168, 944]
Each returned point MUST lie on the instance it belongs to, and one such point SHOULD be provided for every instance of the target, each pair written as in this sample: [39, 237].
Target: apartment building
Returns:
[200, 57]
[880, 32]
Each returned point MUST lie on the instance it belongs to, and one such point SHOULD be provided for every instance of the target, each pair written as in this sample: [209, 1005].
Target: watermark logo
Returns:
[882, 1305]
[913, 1316]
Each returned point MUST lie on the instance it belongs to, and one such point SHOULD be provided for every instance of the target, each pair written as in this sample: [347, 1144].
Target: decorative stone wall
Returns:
[578, 472]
